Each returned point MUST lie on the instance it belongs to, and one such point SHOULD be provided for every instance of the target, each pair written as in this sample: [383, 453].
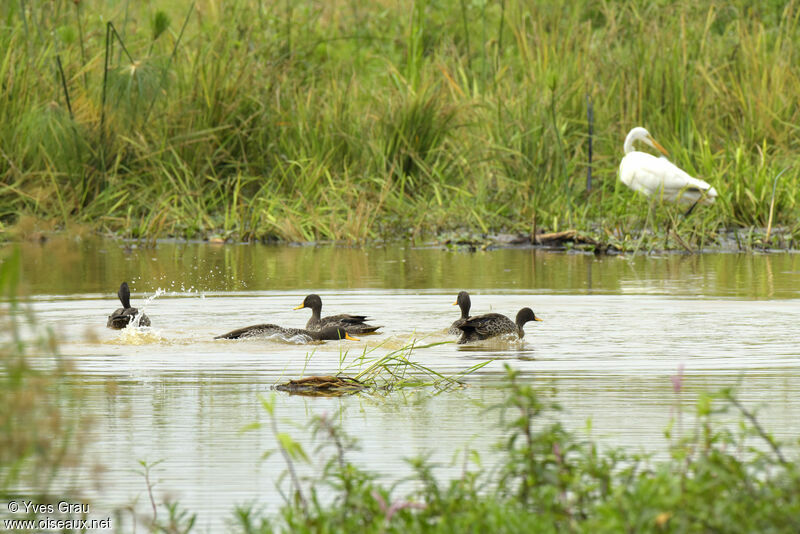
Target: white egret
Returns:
[658, 176]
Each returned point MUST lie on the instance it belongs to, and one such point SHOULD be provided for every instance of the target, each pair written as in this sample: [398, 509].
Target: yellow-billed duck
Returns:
[123, 316]
[494, 324]
[463, 302]
[268, 330]
[354, 324]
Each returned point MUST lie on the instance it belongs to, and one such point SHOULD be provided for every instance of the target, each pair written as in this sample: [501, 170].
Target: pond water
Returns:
[614, 330]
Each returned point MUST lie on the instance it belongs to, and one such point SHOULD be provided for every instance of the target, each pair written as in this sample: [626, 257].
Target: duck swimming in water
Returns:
[354, 324]
[494, 324]
[267, 330]
[463, 302]
[123, 316]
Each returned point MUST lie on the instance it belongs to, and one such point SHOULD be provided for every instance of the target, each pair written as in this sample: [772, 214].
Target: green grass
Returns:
[356, 121]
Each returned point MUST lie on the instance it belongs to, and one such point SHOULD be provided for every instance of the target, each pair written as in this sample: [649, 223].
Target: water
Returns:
[614, 330]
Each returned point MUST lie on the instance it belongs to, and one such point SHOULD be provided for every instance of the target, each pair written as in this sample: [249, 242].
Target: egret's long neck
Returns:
[629, 143]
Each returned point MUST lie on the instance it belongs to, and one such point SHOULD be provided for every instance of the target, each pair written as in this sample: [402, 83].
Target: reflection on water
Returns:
[614, 331]
[98, 267]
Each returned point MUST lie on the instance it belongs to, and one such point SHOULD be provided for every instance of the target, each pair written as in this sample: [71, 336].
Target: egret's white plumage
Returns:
[658, 176]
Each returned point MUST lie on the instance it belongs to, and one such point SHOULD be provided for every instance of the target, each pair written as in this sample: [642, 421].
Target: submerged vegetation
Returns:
[366, 120]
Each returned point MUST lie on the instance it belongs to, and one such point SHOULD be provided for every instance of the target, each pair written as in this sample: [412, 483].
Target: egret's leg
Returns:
[691, 208]
[644, 227]
[652, 214]
[672, 225]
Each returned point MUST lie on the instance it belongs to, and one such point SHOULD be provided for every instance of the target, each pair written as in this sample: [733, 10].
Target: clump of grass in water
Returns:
[398, 369]
[393, 371]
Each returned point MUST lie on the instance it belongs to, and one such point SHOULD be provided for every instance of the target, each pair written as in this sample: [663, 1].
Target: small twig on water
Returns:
[761, 432]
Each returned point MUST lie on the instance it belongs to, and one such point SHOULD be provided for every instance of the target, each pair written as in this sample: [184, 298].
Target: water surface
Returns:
[615, 329]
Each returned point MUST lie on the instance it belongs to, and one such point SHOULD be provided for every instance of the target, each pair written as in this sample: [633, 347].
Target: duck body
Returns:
[494, 324]
[353, 324]
[657, 176]
[463, 301]
[122, 317]
[269, 330]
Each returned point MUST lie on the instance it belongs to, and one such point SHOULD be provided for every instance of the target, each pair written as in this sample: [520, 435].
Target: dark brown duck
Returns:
[463, 302]
[494, 324]
[267, 330]
[354, 324]
[123, 316]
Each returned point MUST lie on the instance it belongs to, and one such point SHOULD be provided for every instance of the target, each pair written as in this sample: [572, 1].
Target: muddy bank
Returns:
[739, 240]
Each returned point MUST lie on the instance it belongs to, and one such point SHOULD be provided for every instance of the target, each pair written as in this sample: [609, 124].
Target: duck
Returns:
[267, 330]
[463, 302]
[123, 316]
[354, 324]
[494, 324]
[650, 175]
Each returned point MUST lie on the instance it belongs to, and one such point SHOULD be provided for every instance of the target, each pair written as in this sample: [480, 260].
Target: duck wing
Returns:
[256, 330]
[486, 326]
[119, 319]
[342, 320]
[353, 324]
[122, 316]
[455, 328]
[361, 329]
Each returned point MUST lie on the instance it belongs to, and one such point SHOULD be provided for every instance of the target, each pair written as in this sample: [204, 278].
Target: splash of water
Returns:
[135, 322]
[134, 333]
[137, 336]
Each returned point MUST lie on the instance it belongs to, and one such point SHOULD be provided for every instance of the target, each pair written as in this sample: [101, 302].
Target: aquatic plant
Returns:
[371, 372]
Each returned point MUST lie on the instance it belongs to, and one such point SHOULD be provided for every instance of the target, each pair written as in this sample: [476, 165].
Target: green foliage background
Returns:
[360, 120]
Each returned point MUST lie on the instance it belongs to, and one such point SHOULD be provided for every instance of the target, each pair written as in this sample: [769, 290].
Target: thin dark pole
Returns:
[590, 116]
[109, 46]
[64, 85]
[121, 42]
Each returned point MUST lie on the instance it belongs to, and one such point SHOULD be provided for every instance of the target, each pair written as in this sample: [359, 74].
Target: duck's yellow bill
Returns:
[455, 303]
[537, 319]
[659, 147]
[299, 307]
[347, 336]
